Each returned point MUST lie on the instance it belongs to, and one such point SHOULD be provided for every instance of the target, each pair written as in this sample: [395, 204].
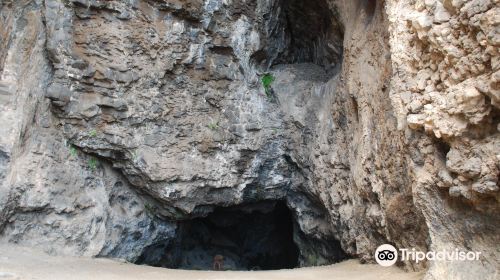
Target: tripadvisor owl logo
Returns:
[386, 255]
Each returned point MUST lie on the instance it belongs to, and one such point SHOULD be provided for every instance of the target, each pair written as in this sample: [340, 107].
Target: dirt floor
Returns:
[25, 263]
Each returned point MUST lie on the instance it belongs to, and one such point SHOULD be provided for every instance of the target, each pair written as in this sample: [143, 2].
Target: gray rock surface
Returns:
[125, 118]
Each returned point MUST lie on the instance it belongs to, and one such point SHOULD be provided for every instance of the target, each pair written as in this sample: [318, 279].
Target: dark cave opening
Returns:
[266, 235]
[301, 31]
[369, 7]
[258, 236]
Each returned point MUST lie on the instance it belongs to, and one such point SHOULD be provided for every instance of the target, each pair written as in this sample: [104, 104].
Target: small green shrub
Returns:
[92, 163]
[93, 133]
[72, 151]
[213, 126]
[267, 81]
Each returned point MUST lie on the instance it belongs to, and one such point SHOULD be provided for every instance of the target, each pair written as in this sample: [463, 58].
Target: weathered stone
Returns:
[170, 94]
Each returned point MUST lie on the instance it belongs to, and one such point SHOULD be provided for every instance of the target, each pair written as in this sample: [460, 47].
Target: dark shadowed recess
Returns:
[369, 7]
[250, 237]
[301, 31]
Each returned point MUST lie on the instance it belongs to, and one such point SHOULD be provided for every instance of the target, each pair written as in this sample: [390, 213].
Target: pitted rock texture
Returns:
[446, 60]
[52, 195]
[449, 87]
[127, 118]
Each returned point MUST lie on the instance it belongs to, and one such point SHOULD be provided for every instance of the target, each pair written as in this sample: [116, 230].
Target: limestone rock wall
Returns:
[444, 88]
[124, 117]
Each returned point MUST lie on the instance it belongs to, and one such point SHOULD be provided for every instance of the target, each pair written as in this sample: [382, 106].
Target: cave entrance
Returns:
[250, 237]
[301, 31]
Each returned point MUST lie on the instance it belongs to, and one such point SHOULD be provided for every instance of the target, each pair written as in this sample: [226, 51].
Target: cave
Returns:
[301, 31]
[265, 235]
[258, 236]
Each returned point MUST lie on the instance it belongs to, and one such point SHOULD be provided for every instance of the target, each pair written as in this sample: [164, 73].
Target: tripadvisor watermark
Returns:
[387, 255]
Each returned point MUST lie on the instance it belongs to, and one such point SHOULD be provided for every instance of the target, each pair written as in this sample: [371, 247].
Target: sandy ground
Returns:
[24, 263]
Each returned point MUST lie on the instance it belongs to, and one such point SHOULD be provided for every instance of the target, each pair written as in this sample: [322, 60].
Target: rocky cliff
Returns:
[124, 121]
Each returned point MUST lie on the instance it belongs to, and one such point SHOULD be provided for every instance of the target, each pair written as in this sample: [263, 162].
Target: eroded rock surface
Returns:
[125, 119]
[445, 62]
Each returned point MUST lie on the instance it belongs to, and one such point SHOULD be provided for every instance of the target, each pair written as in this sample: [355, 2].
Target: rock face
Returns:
[126, 120]
[446, 62]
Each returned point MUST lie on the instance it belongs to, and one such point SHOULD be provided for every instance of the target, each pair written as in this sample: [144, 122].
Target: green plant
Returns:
[213, 126]
[93, 133]
[267, 81]
[72, 151]
[135, 155]
[92, 163]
